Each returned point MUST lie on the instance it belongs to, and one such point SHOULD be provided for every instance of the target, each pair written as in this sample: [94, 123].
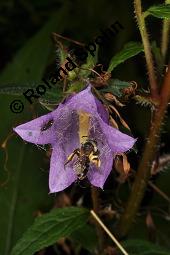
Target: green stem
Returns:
[165, 35]
[144, 168]
[147, 48]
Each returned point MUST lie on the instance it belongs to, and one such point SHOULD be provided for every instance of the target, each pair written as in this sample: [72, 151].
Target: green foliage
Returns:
[49, 228]
[116, 86]
[62, 54]
[53, 94]
[129, 50]
[159, 11]
[91, 61]
[14, 90]
[76, 87]
[140, 247]
[86, 237]
[23, 179]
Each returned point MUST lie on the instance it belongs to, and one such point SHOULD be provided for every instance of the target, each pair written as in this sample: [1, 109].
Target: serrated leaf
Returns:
[160, 11]
[14, 89]
[30, 61]
[85, 72]
[76, 86]
[141, 247]
[49, 228]
[130, 49]
[54, 94]
[116, 86]
[90, 63]
[49, 100]
[62, 54]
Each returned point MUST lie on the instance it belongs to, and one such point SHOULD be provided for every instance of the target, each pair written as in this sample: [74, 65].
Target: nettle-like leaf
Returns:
[140, 247]
[116, 87]
[130, 49]
[14, 89]
[86, 237]
[91, 61]
[49, 228]
[53, 94]
[84, 69]
[159, 11]
[61, 53]
[76, 86]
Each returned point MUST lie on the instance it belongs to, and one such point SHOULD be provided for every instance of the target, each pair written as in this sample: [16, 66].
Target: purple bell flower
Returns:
[80, 118]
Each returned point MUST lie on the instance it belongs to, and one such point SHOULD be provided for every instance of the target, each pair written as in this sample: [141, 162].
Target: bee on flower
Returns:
[83, 143]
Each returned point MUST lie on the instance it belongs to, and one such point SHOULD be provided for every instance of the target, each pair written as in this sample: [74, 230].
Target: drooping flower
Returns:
[64, 128]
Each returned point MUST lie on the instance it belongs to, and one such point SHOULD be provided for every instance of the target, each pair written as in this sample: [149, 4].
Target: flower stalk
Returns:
[144, 168]
[147, 48]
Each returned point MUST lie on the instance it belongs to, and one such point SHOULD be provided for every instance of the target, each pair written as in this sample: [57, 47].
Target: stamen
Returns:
[84, 120]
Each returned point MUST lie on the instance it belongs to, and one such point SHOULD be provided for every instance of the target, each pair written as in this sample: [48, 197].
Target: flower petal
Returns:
[102, 111]
[86, 102]
[60, 177]
[67, 140]
[39, 130]
[118, 141]
[43, 130]
[98, 175]
[66, 129]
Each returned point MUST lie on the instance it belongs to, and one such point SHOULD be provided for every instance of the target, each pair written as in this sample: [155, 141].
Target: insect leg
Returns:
[95, 159]
[76, 152]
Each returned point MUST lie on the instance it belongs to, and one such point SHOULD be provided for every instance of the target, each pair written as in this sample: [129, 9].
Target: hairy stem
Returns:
[165, 35]
[144, 168]
[147, 48]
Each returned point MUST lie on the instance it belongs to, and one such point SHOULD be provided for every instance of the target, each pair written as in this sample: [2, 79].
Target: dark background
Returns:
[24, 167]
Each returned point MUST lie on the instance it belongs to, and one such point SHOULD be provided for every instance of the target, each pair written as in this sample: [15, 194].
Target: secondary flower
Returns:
[64, 128]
